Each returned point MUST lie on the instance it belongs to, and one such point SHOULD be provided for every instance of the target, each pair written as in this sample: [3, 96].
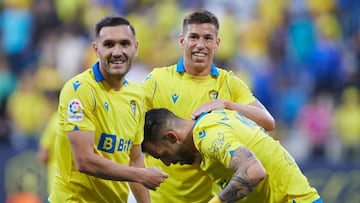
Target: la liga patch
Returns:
[75, 110]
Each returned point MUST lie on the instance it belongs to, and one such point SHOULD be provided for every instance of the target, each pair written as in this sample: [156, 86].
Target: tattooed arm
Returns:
[248, 172]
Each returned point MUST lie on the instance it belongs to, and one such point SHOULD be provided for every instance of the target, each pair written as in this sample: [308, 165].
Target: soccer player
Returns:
[238, 155]
[195, 81]
[101, 119]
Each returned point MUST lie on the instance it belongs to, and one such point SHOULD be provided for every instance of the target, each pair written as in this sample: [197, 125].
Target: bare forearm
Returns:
[140, 193]
[106, 169]
[255, 112]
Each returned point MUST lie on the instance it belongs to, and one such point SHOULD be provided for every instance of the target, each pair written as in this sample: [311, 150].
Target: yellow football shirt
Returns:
[172, 88]
[88, 103]
[219, 133]
[47, 141]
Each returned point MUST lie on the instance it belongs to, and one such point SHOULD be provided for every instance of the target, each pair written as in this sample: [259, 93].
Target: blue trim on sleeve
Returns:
[180, 68]
[318, 201]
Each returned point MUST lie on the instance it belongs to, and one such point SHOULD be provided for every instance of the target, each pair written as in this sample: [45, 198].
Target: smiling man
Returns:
[101, 119]
[190, 87]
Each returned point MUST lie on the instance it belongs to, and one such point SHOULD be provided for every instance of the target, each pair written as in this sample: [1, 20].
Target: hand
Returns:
[153, 178]
[207, 107]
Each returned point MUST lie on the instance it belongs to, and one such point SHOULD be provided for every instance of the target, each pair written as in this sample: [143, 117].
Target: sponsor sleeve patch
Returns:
[75, 110]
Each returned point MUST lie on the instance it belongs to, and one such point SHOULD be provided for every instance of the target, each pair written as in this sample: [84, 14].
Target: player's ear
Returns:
[95, 49]
[171, 137]
[181, 41]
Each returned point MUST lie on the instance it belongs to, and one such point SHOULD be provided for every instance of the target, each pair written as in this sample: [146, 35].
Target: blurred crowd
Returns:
[301, 58]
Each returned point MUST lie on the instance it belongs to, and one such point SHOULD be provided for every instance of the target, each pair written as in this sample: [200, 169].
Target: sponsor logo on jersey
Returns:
[75, 110]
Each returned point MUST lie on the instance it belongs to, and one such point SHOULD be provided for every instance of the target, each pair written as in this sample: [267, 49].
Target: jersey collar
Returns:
[97, 73]
[180, 68]
[99, 77]
[199, 118]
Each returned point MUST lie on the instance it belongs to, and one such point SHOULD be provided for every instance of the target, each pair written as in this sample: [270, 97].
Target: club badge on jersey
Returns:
[213, 94]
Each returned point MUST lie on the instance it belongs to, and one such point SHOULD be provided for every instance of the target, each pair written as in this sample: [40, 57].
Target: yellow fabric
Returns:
[347, 117]
[182, 94]
[215, 199]
[18, 4]
[219, 133]
[47, 141]
[28, 110]
[68, 10]
[116, 117]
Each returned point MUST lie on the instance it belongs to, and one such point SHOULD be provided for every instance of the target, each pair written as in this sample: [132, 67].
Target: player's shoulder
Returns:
[80, 80]
[164, 70]
[130, 84]
[225, 73]
[161, 72]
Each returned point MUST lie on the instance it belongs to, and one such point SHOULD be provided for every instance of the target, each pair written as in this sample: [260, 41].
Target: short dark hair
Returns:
[200, 16]
[110, 21]
[157, 121]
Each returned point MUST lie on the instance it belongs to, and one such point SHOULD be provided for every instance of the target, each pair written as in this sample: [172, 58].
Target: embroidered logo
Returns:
[106, 105]
[133, 106]
[202, 134]
[75, 110]
[76, 85]
[175, 97]
[213, 94]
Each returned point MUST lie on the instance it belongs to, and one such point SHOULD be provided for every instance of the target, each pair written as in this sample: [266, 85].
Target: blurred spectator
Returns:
[45, 20]
[7, 86]
[69, 51]
[292, 97]
[16, 27]
[23, 197]
[28, 112]
[314, 122]
[324, 60]
[68, 10]
[301, 37]
[46, 149]
[347, 123]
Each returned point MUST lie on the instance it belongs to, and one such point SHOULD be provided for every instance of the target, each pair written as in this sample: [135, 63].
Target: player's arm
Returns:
[140, 193]
[248, 172]
[88, 162]
[255, 111]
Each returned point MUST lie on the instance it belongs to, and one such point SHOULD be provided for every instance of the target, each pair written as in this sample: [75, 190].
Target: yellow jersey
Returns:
[88, 103]
[47, 141]
[219, 133]
[172, 88]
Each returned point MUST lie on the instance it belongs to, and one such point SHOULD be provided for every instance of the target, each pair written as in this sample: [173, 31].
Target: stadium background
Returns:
[301, 58]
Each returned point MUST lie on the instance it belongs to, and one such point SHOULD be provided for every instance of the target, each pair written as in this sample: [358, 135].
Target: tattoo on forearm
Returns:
[241, 184]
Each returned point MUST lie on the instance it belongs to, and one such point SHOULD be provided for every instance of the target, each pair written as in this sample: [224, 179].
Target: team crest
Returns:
[133, 106]
[213, 94]
[75, 110]
[106, 105]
